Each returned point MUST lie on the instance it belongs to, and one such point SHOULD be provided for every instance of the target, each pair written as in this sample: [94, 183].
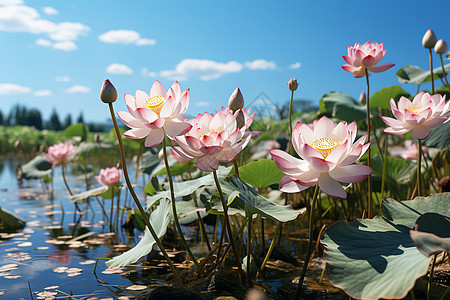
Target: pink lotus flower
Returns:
[327, 155]
[149, 116]
[180, 159]
[411, 150]
[109, 177]
[419, 116]
[212, 139]
[60, 153]
[366, 56]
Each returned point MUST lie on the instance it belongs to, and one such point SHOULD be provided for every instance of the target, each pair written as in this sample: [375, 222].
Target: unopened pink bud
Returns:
[108, 93]
[441, 47]
[429, 39]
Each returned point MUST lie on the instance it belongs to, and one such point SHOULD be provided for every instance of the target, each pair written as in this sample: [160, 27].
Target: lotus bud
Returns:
[292, 84]
[236, 100]
[18, 145]
[108, 93]
[98, 138]
[362, 97]
[429, 39]
[441, 47]
[240, 120]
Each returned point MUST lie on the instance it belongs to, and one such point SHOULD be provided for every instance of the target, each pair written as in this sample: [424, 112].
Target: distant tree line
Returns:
[23, 116]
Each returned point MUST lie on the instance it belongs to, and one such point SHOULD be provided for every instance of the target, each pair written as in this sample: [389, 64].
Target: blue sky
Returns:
[55, 54]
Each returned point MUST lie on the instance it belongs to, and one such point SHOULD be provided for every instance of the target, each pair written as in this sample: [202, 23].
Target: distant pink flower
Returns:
[109, 177]
[272, 144]
[59, 153]
[327, 155]
[366, 56]
[212, 139]
[411, 150]
[150, 115]
[418, 116]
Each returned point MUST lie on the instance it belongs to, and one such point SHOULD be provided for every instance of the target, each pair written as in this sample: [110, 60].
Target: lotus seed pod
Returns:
[292, 84]
[108, 93]
[236, 100]
[429, 39]
[441, 47]
[362, 97]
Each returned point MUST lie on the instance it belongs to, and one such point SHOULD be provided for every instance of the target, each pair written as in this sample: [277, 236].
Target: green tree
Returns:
[67, 121]
[34, 119]
[54, 123]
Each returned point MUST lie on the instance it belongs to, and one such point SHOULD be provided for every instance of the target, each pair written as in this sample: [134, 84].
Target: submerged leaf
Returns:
[159, 220]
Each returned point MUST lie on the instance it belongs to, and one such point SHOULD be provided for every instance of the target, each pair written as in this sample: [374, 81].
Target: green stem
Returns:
[369, 156]
[310, 242]
[227, 225]
[174, 209]
[136, 200]
[112, 210]
[419, 162]
[431, 71]
[63, 167]
[291, 147]
[443, 71]
[383, 178]
[249, 249]
[430, 278]
[272, 245]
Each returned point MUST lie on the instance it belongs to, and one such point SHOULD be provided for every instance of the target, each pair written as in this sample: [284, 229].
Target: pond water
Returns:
[44, 254]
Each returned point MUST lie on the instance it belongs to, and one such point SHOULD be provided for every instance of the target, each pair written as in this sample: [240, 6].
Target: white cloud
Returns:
[22, 18]
[11, 2]
[122, 36]
[62, 78]
[78, 89]
[65, 45]
[43, 93]
[12, 89]
[295, 65]
[43, 42]
[144, 42]
[202, 68]
[119, 69]
[202, 103]
[146, 72]
[50, 10]
[261, 64]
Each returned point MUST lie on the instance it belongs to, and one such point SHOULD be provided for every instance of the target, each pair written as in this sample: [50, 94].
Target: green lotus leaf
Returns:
[187, 211]
[261, 173]
[185, 188]
[9, 221]
[77, 130]
[382, 98]
[159, 220]
[376, 258]
[36, 168]
[90, 193]
[439, 137]
[428, 243]
[149, 161]
[432, 233]
[414, 74]
[248, 202]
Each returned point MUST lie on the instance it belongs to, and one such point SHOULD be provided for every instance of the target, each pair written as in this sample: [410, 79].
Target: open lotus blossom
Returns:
[419, 116]
[247, 118]
[150, 115]
[327, 155]
[365, 56]
[109, 177]
[411, 150]
[59, 153]
[180, 159]
[212, 139]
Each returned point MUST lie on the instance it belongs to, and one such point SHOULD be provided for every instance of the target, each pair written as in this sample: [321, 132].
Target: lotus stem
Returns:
[272, 245]
[431, 71]
[430, 278]
[310, 242]
[249, 249]
[174, 210]
[63, 167]
[385, 157]
[443, 71]
[227, 225]
[136, 200]
[112, 210]
[291, 147]
[419, 162]
[200, 221]
[369, 157]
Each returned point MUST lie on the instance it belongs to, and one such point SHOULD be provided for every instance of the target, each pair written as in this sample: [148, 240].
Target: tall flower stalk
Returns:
[429, 41]
[441, 48]
[109, 95]
[369, 155]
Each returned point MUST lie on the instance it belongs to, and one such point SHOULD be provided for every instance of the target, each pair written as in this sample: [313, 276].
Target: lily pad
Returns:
[261, 173]
[376, 258]
[159, 220]
[417, 75]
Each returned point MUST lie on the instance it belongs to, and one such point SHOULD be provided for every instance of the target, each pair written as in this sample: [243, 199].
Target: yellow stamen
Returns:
[155, 103]
[414, 109]
[325, 146]
[206, 133]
